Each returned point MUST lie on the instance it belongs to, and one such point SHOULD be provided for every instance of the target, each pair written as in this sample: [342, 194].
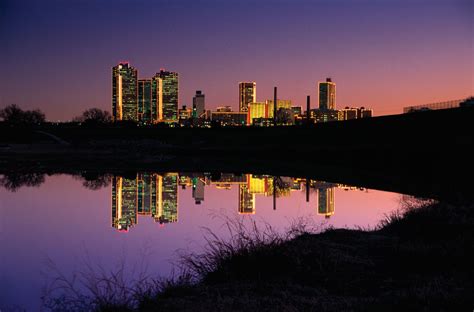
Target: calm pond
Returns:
[63, 224]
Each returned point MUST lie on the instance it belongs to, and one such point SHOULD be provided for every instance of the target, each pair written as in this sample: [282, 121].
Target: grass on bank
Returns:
[419, 258]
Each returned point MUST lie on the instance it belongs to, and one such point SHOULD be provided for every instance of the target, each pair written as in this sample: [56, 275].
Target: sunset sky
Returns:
[57, 55]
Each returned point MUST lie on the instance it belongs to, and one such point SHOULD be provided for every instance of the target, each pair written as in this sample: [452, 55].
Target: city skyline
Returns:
[401, 55]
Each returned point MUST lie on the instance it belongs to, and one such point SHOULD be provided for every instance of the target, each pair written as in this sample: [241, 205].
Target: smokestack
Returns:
[274, 106]
[308, 108]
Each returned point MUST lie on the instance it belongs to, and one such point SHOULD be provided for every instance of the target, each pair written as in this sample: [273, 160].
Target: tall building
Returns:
[168, 84]
[246, 200]
[198, 190]
[327, 95]
[145, 96]
[326, 201]
[247, 94]
[124, 203]
[166, 210]
[124, 92]
[198, 104]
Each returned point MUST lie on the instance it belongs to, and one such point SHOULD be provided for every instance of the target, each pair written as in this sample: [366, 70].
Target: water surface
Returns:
[142, 219]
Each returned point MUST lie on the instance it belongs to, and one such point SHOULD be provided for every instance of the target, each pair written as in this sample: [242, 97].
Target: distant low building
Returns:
[184, 113]
[349, 113]
[229, 118]
[224, 109]
[260, 112]
[319, 116]
[297, 111]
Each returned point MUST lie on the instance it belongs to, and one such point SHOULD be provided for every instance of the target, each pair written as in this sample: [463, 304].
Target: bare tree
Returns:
[95, 116]
[12, 114]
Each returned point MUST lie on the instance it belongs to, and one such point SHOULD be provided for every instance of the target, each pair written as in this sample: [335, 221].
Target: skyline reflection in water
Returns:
[66, 219]
[156, 195]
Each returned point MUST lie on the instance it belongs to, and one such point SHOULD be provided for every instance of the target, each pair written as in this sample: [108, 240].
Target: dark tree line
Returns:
[94, 116]
[12, 114]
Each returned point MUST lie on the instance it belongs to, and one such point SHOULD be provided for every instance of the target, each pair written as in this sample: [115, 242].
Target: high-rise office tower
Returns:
[246, 200]
[327, 95]
[168, 84]
[166, 210]
[124, 92]
[247, 94]
[124, 203]
[198, 104]
[326, 201]
[198, 190]
[144, 100]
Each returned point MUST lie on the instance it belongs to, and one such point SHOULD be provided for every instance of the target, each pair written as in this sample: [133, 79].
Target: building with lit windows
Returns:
[349, 113]
[198, 190]
[297, 111]
[224, 109]
[167, 199]
[256, 110]
[364, 112]
[327, 95]
[168, 101]
[326, 205]
[247, 95]
[184, 113]
[226, 118]
[149, 96]
[198, 104]
[261, 113]
[124, 92]
[124, 203]
[246, 200]
[318, 115]
[281, 104]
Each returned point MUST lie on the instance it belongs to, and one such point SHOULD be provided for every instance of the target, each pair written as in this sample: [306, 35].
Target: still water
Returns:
[66, 223]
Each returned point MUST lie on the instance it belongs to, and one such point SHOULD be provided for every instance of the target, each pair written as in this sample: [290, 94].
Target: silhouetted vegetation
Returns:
[94, 181]
[14, 115]
[94, 116]
[417, 259]
[14, 181]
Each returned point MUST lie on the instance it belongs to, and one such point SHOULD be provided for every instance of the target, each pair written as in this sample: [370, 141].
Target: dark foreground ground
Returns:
[417, 260]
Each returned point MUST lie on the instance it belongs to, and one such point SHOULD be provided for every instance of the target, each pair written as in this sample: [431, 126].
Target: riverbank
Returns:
[420, 259]
[426, 154]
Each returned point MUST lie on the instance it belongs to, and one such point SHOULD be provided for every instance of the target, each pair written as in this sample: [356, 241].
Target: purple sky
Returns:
[385, 54]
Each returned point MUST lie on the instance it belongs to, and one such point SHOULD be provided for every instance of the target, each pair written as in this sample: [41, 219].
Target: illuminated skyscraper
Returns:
[168, 85]
[246, 200]
[326, 201]
[124, 92]
[198, 104]
[144, 100]
[198, 190]
[327, 95]
[247, 94]
[166, 199]
[124, 203]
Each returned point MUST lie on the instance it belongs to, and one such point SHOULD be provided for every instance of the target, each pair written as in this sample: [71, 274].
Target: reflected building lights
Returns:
[156, 195]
